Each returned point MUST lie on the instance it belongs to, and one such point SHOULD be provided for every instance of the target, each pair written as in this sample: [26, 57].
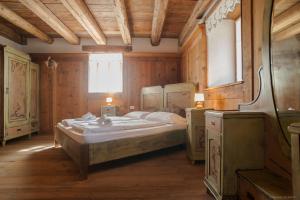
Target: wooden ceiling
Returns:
[286, 19]
[114, 18]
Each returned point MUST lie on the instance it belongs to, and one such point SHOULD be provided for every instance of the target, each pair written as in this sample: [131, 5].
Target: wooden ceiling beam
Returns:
[122, 20]
[287, 18]
[106, 48]
[159, 16]
[286, 33]
[15, 19]
[12, 35]
[38, 8]
[198, 11]
[83, 15]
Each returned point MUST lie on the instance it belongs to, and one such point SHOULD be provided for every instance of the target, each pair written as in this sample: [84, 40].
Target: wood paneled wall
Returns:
[72, 97]
[228, 97]
[194, 66]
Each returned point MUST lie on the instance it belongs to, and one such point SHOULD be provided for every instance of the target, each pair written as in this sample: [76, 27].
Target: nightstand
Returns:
[109, 110]
[195, 139]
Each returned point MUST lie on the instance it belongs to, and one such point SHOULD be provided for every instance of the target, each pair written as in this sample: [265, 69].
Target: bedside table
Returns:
[109, 110]
[195, 138]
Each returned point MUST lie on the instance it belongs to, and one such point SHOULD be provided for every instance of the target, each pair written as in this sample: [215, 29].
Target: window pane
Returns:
[221, 54]
[238, 41]
[105, 73]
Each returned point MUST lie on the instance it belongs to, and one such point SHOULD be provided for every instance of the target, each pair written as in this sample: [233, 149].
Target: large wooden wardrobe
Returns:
[19, 94]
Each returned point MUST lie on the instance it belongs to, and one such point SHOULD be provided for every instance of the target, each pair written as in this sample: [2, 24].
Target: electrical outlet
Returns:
[131, 107]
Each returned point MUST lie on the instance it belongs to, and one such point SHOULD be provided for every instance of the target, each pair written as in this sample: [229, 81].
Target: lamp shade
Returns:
[199, 97]
[108, 99]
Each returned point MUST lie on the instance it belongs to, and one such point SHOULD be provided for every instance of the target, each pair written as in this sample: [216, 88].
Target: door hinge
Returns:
[6, 90]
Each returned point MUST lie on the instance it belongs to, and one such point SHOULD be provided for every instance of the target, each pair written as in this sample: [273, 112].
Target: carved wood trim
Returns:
[221, 13]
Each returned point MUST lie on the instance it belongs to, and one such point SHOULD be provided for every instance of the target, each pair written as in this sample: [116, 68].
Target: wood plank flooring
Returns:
[34, 169]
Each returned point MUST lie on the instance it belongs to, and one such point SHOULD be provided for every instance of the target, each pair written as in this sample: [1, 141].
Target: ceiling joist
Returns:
[11, 34]
[106, 48]
[122, 19]
[38, 8]
[286, 33]
[159, 15]
[83, 15]
[18, 21]
[198, 11]
[287, 18]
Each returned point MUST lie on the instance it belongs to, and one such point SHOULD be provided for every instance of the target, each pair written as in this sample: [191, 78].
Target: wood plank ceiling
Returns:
[101, 19]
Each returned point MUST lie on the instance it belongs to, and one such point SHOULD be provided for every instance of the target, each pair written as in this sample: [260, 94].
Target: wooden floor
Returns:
[34, 169]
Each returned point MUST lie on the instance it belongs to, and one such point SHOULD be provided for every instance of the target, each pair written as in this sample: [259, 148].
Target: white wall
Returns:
[8, 42]
[59, 45]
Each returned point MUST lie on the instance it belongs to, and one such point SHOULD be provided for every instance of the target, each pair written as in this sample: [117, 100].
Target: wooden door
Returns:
[213, 163]
[16, 88]
[34, 92]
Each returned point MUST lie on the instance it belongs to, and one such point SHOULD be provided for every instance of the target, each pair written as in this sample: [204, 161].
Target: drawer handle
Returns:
[250, 196]
[213, 123]
[19, 129]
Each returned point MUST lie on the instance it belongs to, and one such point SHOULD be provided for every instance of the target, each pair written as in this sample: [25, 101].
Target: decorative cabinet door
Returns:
[214, 159]
[34, 92]
[16, 89]
[200, 139]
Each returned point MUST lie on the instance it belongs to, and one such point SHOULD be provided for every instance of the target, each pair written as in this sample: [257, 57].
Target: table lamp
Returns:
[109, 100]
[199, 99]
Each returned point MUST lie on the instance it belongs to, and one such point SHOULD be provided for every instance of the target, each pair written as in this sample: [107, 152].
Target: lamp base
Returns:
[199, 105]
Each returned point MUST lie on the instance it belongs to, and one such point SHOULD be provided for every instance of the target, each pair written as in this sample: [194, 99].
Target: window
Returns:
[221, 54]
[238, 50]
[224, 45]
[105, 73]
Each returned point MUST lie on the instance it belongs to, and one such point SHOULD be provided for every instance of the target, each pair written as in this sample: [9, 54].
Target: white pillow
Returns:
[166, 117]
[137, 114]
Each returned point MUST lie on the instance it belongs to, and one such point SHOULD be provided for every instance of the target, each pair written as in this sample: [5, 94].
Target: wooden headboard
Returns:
[152, 98]
[178, 97]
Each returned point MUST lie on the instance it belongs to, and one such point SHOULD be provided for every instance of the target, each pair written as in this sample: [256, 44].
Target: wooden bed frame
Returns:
[84, 154]
[152, 98]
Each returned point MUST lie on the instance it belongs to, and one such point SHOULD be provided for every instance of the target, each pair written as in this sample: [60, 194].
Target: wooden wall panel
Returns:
[73, 99]
[194, 67]
[258, 7]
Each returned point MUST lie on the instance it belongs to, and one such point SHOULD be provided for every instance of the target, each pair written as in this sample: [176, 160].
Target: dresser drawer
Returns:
[17, 131]
[214, 123]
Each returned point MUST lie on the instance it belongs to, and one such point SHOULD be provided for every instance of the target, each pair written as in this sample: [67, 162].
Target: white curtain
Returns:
[105, 73]
[222, 54]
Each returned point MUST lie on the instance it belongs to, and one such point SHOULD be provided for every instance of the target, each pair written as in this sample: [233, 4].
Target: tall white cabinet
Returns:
[20, 88]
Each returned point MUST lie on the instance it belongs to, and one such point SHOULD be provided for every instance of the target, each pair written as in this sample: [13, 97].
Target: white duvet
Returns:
[116, 125]
[70, 122]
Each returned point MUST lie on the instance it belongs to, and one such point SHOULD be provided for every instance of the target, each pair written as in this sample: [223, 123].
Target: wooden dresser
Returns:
[16, 95]
[195, 140]
[234, 140]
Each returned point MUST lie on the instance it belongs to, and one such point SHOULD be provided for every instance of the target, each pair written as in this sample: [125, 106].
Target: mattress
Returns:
[94, 137]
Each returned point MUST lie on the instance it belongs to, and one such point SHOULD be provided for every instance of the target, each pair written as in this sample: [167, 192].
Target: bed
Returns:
[90, 149]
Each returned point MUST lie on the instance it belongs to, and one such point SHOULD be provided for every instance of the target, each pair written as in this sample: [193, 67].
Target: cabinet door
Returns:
[16, 90]
[213, 164]
[34, 92]
[199, 139]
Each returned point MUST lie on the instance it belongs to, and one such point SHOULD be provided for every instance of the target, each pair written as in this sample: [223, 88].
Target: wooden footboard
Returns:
[121, 148]
[89, 154]
[78, 152]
